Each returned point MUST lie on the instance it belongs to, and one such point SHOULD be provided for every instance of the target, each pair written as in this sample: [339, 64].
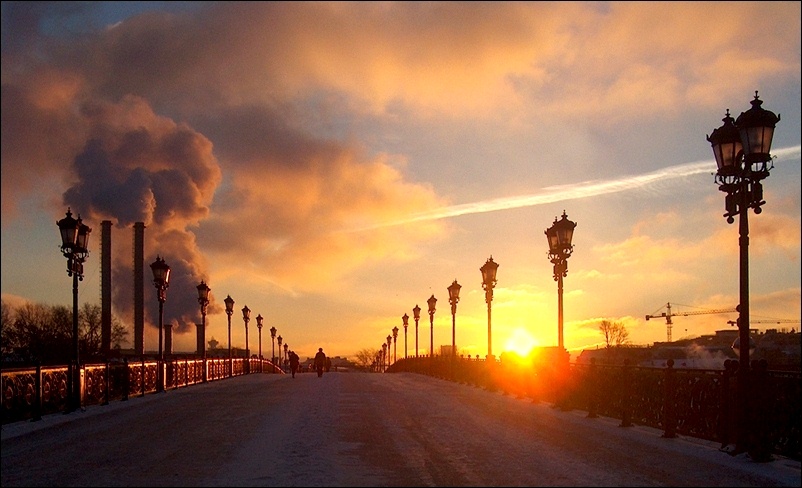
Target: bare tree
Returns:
[615, 333]
[364, 357]
[90, 324]
[5, 327]
[38, 333]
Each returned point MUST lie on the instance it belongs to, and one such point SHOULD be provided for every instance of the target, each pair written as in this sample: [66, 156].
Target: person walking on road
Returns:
[320, 361]
[295, 360]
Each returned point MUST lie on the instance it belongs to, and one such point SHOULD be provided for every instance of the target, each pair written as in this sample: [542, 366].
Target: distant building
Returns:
[781, 349]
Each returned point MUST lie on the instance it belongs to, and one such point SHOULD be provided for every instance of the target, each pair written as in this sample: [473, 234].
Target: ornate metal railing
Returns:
[29, 393]
[697, 403]
[693, 402]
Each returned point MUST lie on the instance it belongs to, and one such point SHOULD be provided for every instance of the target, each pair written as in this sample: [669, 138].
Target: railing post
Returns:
[626, 395]
[761, 442]
[126, 380]
[143, 375]
[669, 409]
[727, 417]
[37, 405]
[592, 389]
[108, 383]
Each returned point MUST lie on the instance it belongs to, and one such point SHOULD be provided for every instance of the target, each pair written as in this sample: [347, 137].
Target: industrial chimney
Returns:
[139, 288]
[105, 288]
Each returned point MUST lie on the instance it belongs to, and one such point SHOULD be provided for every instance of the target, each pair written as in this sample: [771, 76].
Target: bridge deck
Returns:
[354, 429]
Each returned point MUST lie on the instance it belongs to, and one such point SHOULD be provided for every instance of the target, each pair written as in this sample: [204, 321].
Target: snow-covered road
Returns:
[354, 429]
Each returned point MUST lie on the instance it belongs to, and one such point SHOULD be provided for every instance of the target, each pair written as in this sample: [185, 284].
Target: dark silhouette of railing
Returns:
[696, 403]
[29, 393]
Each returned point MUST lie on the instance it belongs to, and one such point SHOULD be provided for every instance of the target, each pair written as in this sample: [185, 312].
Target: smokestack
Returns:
[139, 288]
[168, 339]
[105, 288]
[199, 339]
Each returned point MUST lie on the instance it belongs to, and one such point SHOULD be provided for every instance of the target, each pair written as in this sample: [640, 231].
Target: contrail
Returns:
[574, 191]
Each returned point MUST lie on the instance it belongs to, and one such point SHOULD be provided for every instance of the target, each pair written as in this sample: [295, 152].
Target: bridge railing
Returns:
[29, 393]
[698, 403]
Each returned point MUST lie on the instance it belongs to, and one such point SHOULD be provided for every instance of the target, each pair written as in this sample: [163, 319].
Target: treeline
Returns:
[35, 333]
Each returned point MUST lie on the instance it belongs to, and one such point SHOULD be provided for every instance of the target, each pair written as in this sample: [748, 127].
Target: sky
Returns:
[333, 164]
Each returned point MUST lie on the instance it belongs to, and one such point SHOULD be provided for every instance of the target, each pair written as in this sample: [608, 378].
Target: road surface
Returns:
[358, 429]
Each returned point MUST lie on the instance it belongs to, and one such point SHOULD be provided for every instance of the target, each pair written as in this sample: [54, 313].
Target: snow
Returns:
[358, 429]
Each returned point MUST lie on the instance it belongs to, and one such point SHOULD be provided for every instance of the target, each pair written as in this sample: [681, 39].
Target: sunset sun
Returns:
[520, 342]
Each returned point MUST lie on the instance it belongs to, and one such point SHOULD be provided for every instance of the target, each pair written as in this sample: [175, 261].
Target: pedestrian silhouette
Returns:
[320, 362]
[295, 361]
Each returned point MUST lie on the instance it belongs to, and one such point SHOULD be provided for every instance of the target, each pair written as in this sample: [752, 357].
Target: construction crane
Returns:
[767, 321]
[667, 314]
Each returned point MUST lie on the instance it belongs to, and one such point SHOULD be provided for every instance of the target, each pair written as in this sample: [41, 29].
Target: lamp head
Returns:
[432, 301]
[756, 128]
[203, 293]
[453, 292]
[161, 273]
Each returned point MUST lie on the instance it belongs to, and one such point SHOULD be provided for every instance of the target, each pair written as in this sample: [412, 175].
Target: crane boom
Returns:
[667, 314]
[767, 321]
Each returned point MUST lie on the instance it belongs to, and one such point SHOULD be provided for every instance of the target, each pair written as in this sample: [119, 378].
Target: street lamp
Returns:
[432, 301]
[395, 345]
[488, 283]
[74, 247]
[279, 353]
[273, 354]
[203, 300]
[161, 280]
[246, 317]
[385, 364]
[559, 236]
[416, 315]
[453, 299]
[405, 320]
[259, 320]
[286, 346]
[229, 311]
[742, 151]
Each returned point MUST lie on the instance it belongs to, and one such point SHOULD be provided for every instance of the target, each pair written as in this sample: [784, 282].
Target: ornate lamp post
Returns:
[286, 347]
[416, 315]
[273, 355]
[203, 300]
[74, 247]
[395, 344]
[280, 365]
[742, 151]
[246, 317]
[161, 280]
[488, 283]
[432, 301]
[559, 236]
[259, 324]
[229, 311]
[453, 299]
[405, 321]
[385, 362]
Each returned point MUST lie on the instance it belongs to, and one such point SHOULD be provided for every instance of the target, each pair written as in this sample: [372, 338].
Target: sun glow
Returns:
[521, 342]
